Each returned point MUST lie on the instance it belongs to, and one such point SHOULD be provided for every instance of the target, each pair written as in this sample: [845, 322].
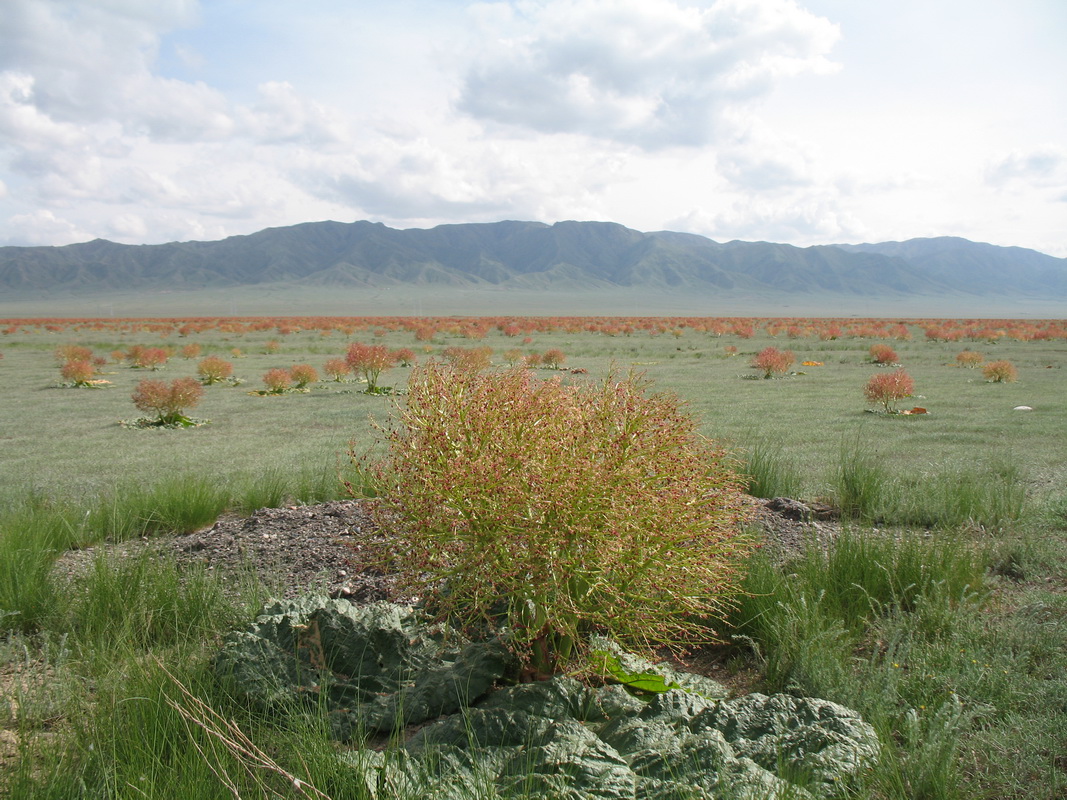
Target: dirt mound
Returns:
[318, 548]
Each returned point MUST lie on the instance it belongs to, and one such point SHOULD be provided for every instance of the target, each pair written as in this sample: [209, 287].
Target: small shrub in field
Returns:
[152, 358]
[80, 372]
[302, 375]
[532, 361]
[73, 352]
[772, 361]
[883, 354]
[888, 388]
[730, 350]
[469, 359]
[272, 347]
[190, 351]
[568, 509]
[404, 356]
[214, 369]
[337, 369]
[1000, 372]
[969, 359]
[554, 358]
[512, 356]
[369, 361]
[169, 401]
[277, 380]
[118, 356]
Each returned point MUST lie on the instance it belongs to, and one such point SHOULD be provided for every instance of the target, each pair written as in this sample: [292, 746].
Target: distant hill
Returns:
[532, 256]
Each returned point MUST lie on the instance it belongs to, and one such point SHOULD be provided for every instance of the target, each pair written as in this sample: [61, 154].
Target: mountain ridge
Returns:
[533, 256]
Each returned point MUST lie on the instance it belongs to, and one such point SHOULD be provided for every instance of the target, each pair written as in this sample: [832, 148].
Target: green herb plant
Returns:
[559, 510]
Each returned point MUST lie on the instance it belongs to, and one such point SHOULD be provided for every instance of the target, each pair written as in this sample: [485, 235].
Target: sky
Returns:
[798, 121]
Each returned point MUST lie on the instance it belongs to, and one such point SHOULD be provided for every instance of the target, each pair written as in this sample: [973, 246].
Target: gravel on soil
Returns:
[323, 548]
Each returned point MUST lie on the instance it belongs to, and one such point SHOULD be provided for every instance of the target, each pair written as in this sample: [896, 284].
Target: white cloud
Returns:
[42, 227]
[762, 160]
[1042, 167]
[654, 73]
[23, 124]
[421, 181]
[281, 116]
[92, 61]
[803, 219]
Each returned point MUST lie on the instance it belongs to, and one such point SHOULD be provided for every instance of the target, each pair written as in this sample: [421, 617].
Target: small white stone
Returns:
[1022, 408]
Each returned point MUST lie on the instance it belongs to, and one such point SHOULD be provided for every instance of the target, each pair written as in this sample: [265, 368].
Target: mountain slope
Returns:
[983, 267]
[532, 256]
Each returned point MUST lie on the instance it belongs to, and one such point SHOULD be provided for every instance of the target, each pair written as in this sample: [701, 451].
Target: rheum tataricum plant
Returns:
[169, 401]
[773, 361]
[889, 387]
[566, 510]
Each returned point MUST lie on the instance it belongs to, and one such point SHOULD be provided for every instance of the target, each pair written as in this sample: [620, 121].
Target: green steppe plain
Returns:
[66, 442]
[951, 639]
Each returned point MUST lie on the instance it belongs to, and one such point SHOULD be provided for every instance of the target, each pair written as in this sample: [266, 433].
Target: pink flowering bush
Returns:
[883, 354]
[369, 361]
[168, 401]
[889, 387]
[214, 369]
[772, 361]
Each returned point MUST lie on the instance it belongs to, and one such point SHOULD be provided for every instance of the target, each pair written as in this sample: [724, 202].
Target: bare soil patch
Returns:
[324, 547]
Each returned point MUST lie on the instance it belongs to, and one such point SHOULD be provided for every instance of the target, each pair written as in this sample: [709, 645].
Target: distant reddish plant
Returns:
[168, 401]
[730, 350]
[1000, 372]
[512, 356]
[772, 361]
[73, 352]
[152, 358]
[469, 359]
[369, 361]
[191, 351]
[889, 387]
[277, 380]
[404, 356]
[533, 360]
[79, 373]
[214, 369]
[900, 332]
[883, 354]
[969, 359]
[272, 346]
[554, 358]
[302, 375]
[337, 369]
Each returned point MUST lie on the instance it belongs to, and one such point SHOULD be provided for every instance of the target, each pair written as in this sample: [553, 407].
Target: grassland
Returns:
[955, 645]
